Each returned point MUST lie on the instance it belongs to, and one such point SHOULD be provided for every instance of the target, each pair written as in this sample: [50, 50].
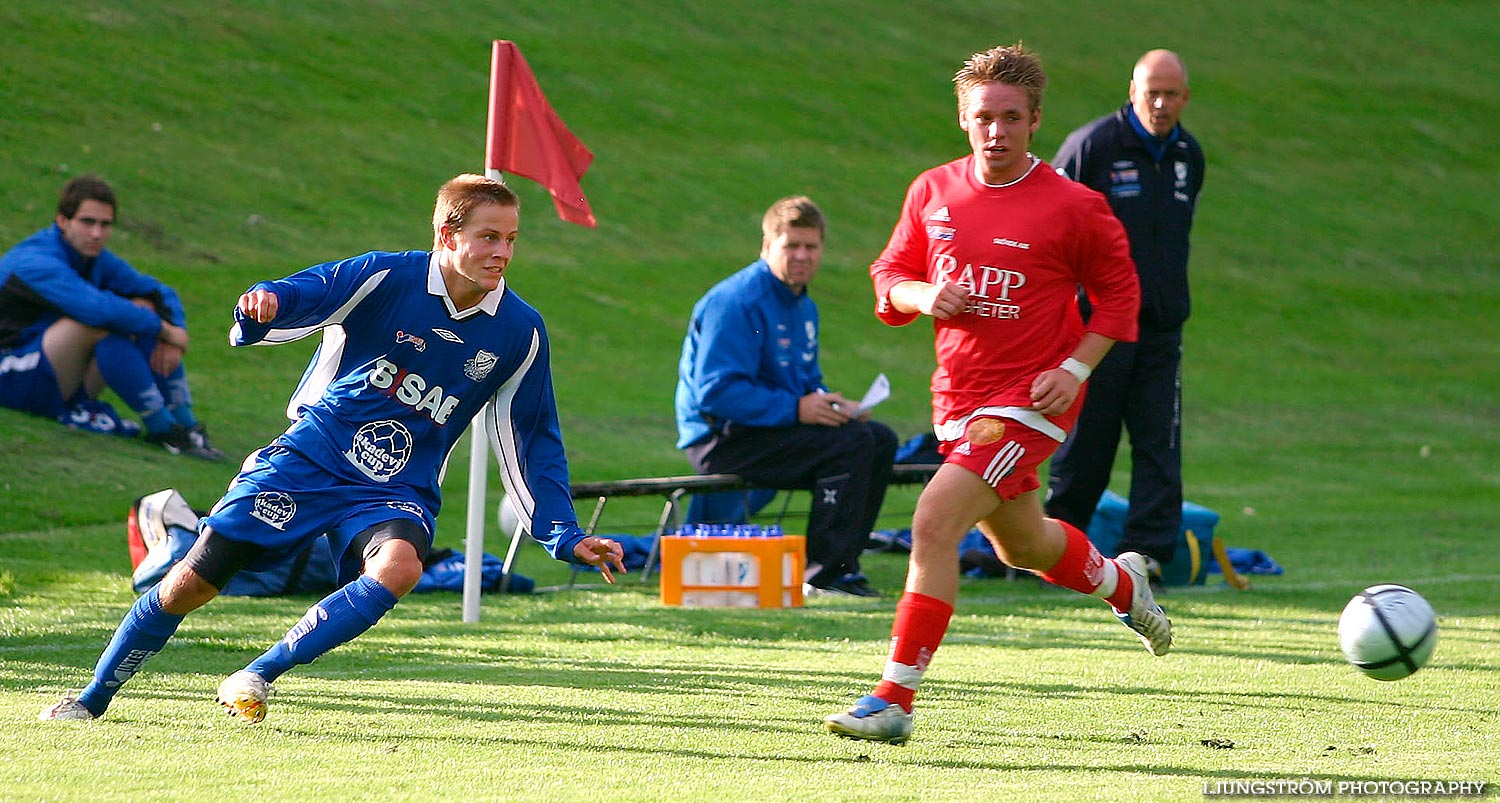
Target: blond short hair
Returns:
[1013, 65]
[459, 196]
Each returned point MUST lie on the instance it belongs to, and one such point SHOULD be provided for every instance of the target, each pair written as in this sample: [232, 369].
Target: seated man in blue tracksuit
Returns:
[751, 401]
[75, 318]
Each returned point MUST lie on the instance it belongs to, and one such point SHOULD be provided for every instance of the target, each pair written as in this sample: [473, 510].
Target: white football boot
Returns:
[244, 696]
[66, 708]
[872, 719]
[1145, 617]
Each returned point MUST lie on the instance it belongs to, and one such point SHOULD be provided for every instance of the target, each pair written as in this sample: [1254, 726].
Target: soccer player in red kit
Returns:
[993, 247]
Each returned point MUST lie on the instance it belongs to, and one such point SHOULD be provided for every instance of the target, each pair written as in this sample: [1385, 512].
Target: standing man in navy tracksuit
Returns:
[1151, 170]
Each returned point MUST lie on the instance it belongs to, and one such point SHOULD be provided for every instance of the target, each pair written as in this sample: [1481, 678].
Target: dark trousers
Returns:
[1137, 386]
[846, 468]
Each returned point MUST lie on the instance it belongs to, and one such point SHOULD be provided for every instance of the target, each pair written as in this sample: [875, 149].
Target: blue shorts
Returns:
[27, 381]
[281, 502]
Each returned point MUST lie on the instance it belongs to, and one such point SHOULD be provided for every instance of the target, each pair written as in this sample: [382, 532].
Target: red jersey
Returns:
[1022, 250]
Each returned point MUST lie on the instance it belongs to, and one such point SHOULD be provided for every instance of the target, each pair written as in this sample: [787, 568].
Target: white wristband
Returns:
[1078, 368]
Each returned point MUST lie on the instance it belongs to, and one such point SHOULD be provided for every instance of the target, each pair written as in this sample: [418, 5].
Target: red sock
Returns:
[1083, 569]
[921, 622]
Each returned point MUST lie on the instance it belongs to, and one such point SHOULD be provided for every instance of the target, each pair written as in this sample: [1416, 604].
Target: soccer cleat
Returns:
[872, 719]
[244, 695]
[66, 708]
[848, 585]
[198, 437]
[184, 441]
[92, 415]
[1145, 617]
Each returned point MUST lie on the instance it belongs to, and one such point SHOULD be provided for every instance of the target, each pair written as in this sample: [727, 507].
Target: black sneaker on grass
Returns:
[191, 442]
[849, 585]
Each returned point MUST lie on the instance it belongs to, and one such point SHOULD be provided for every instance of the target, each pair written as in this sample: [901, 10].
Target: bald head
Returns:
[1159, 90]
[1161, 62]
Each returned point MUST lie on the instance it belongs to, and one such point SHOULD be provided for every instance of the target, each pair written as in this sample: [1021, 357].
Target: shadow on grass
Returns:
[793, 739]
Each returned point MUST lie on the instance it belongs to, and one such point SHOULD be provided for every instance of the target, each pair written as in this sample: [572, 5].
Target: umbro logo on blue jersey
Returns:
[447, 335]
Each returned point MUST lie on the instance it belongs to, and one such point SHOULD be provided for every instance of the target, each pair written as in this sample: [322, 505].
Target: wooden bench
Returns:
[673, 489]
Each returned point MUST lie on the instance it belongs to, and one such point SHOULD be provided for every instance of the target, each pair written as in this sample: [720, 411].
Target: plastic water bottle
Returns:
[692, 575]
[744, 573]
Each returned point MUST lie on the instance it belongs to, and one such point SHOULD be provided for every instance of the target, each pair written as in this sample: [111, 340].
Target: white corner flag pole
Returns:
[479, 480]
[479, 470]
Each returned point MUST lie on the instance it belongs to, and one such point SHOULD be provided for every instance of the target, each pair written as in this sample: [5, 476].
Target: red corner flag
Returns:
[526, 137]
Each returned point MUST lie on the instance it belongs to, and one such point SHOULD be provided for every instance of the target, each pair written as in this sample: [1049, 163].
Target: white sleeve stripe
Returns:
[503, 436]
[324, 370]
[288, 335]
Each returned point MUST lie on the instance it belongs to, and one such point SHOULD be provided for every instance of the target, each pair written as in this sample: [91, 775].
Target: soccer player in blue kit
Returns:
[414, 343]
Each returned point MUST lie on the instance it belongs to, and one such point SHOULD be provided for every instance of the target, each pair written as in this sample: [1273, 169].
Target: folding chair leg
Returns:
[786, 501]
[510, 556]
[593, 522]
[668, 516]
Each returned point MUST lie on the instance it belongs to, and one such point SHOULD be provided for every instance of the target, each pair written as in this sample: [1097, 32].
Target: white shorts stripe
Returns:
[954, 429]
[1004, 462]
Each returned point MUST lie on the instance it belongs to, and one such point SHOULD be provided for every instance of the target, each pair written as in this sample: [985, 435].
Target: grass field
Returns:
[1341, 394]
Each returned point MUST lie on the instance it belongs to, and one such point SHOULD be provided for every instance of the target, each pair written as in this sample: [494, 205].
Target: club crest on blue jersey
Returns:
[380, 449]
[274, 508]
[417, 342]
[480, 366]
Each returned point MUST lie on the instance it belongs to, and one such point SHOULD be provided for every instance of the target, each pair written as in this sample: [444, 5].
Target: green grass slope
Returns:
[1340, 407]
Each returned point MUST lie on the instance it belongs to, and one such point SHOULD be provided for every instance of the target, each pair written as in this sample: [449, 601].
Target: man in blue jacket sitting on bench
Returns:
[751, 400]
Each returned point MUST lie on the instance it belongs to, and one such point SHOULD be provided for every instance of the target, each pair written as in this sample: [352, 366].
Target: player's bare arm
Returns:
[941, 301]
[1054, 390]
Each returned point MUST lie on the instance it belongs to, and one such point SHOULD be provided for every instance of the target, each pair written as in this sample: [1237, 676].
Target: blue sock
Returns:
[128, 374]
[337, 619]
[142, 633]
[179, 399]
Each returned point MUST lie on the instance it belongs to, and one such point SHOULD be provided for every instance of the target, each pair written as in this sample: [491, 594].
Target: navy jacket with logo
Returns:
[1154, 200]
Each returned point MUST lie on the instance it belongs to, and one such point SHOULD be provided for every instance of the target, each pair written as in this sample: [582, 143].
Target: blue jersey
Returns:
[44, 278]
[750, 353]
[401, 373]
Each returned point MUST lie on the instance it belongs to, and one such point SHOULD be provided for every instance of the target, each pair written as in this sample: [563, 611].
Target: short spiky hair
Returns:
[458, 197]
[796, 210]
[1014, 65]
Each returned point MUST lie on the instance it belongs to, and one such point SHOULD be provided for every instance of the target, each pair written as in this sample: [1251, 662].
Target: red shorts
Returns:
[1003, 452]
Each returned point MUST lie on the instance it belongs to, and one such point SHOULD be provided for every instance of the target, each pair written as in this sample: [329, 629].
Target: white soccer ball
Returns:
[509, 518]
[1388, 631]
